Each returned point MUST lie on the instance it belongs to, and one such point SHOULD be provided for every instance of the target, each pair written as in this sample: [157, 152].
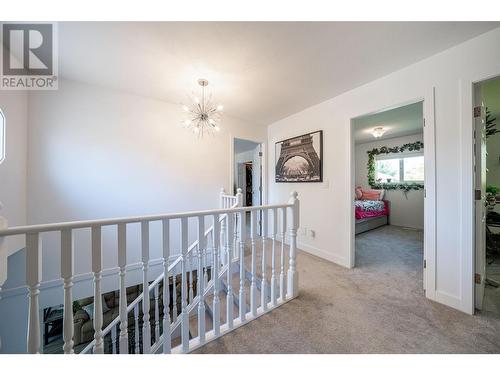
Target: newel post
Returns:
[239, 197]
[3, 258]
[293, 276]
[239, 201]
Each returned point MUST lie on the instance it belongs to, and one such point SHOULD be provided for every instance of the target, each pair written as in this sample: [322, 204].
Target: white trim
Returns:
[84, 277]
[429, 277]
[263, 149]
[325, 255]
[467, 215]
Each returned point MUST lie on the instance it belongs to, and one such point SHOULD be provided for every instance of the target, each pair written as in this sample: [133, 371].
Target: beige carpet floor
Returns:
[377, 307]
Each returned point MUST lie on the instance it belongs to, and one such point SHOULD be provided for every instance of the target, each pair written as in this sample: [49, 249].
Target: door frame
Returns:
[468, 225]
[263, 171]
[429, 135]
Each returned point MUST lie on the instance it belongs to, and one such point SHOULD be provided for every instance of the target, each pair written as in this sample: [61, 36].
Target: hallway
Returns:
[343, 310]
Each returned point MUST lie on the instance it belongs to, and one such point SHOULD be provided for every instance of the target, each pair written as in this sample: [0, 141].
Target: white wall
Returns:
[13, 172]
[325, 207]
[13, 180]
[406, 211]
[98, 153]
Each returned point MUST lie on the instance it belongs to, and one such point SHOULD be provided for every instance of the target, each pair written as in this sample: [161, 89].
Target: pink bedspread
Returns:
[367, 209]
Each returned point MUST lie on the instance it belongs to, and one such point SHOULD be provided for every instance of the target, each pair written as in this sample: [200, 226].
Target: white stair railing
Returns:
[214, 276]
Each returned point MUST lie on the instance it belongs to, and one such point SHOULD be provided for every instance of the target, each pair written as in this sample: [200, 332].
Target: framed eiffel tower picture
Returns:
[300, 159]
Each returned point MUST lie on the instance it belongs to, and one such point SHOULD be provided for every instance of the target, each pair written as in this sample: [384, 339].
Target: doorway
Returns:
[248, 170]
[248, 163]
[389, 176]
[426, 272]
[487, 194]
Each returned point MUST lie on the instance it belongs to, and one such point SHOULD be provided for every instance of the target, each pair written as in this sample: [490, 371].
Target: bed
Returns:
[370, 214]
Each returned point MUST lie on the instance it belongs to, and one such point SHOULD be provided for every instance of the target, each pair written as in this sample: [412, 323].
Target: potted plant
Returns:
[491, 194]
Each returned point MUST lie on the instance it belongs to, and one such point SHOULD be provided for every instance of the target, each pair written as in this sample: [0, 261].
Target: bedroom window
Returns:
[401, 169]
[2, 137]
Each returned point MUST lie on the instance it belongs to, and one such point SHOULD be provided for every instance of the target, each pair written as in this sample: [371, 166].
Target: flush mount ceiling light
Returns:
[203, 115]
[378, 132]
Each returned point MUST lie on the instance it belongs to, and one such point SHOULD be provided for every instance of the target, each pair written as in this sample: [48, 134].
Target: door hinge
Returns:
[425, 263]
[477, 111]
[424, 122]
[477, 195]
[260, 153]
[425, 193]
[477, 278]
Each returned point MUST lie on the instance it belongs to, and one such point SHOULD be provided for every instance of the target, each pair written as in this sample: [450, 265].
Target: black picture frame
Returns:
[303, 146]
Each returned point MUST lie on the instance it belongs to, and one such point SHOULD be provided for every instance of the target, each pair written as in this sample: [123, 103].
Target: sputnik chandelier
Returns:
[203, 115]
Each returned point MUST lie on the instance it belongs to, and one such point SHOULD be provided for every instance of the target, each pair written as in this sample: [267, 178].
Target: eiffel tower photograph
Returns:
[299, 159]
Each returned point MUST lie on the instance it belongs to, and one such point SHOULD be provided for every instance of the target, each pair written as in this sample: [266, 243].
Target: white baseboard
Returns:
[341, 261]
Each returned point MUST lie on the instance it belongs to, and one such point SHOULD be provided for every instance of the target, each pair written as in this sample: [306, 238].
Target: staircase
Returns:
[221, 285]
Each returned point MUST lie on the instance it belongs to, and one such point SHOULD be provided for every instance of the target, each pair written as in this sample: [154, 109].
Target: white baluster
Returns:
[184, 296]
[67, 276]
[206, 260]
[293, 275]
[33, 279]
[253, 283]
[229, 248]
[136, 332]
[242, 295]
[263, 285]
[190, 276]
[166, 287]
[273, 257]
[113, 338]
[239, 203]
[174, 296]
[97, 270]
[201, 279]
[157, 312]
[122, 263]
[282, 254]
[215, 276]
[146, 325]
[222, 250]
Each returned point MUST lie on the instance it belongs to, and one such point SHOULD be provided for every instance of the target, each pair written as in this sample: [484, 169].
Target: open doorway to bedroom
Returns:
[486, 140]
[389, 180]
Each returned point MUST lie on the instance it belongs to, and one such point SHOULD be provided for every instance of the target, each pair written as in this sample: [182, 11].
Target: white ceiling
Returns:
[397, 122]
[261, 72]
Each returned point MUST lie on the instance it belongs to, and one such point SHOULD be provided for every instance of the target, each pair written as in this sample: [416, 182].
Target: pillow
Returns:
[372, 195]
[358, 192]
[89, 309]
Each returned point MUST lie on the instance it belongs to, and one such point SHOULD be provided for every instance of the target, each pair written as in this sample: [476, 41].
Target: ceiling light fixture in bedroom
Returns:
[203, 115]
[378, 132]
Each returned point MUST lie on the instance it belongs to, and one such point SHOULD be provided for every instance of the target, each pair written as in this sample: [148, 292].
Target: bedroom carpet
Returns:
[377, 307]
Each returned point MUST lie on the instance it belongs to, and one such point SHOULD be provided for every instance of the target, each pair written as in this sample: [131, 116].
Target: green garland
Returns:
[404, 186]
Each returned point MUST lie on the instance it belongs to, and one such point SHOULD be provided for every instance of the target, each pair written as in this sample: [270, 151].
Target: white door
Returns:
[480, 194]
